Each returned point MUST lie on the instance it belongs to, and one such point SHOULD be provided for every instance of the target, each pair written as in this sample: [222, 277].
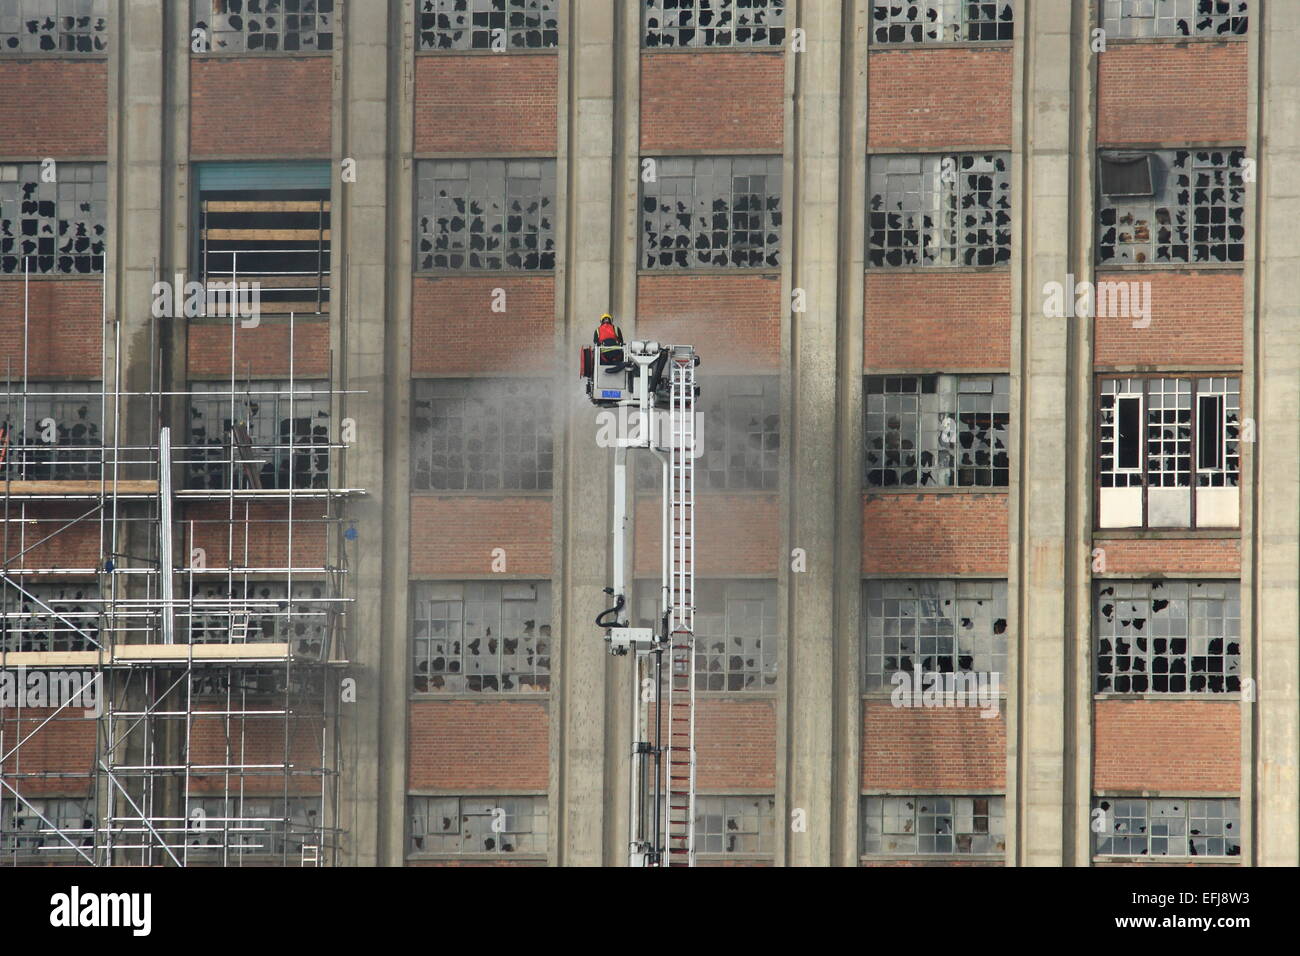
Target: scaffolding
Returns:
[161, 705]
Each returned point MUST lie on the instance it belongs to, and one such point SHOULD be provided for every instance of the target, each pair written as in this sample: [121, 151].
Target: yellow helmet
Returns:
[607, 316]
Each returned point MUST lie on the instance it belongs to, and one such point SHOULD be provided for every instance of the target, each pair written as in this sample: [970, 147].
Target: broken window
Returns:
[487, 24]
[939, 210]
[726, 825]
[712, 212]
[1167, 827]
[1169, 451]
[480, 434]
[51, 432]
[53, 26]
[1174, 18]
[1171, 205]
[49, 617]
[714, 23]
[239, 612]
[55, 227]
[930, 626]
[23, 831]
[941, 21]
[265, 435]
[492, 214]
[461, 825]
[478, 636]
[937, 430]
[924, 825]
[1168, 637]
[266, 26]
[253, 825]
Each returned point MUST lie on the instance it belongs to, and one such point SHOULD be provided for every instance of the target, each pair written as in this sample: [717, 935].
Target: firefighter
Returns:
[609, 341]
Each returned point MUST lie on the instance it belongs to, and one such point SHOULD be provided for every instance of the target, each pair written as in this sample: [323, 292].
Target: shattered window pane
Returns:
[487, 24]
[927, 825]
[475, 636]
[481, 434]
[930, 626]
[1189, 209]
[941, 21]
[222, 612]
[939, 210]
[937, 430]
[280, 437]
[714, 23]
[1168, 637]
[253, 825]
[712, 212]
[485, 214]
[29, 625]
[1167, 827]
[55, 227]
[464, 825]
[725, 825]
[266, 26]
[742, 433]
[1174, 18]
[53, 26]
[23, 831]
[51, 432]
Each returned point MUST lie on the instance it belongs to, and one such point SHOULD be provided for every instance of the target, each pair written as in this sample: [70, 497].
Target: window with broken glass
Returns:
[713, 23]
[265, 435]
[1206, 19]
[239, 612]
[472, 825]
[481, 434]
[59, 616]
[735, 635]
[253, 825]
[941, 21]
[481, 637]
[266, 26]
[59, 27]
[937, 430]
[497, 25]
[1168, 637]
[931, 825]
[53, 218]
[939, 210]
[1160, 438]
[733, 825]
[23, 831]
[703, 212]
[1166, 827]
[485, 214]
[51, 432]
[1171, 205]
[932, 626]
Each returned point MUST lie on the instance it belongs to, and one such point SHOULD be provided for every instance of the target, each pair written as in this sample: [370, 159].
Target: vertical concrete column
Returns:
[1040, 403]
[583, 700]
[813, 197]
[366, 269]
[1276, 543]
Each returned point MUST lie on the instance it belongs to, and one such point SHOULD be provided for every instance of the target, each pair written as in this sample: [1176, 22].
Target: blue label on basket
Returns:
[607, 393]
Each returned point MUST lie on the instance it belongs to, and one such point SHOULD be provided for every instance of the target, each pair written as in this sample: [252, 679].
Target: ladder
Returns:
[679, 503]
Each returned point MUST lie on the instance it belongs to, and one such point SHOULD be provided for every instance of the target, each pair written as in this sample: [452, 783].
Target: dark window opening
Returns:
[1130, 433]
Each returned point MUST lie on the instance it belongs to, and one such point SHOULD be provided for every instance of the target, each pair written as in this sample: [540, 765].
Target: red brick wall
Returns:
[64, 745]
[449, 318]
[75, 547]
[924, 748]
[727, 100]
[737, 534]
[1175, 746]
[471, 745]
[939, 98]
[486, 104]
[255, 740]
[734, 322]
[63, 327]
[934, 534]
[735, 744]
[266, 534]
[1189, 93]
[260, 351]
[1170, 555]
[1196, 318]
[938, 320]
[452, 536]
[54, 107]
[261, 106]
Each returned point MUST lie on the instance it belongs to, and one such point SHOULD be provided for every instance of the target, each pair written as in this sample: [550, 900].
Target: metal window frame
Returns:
[960, 22]
[1232, 812]
[721, 806]
[419, 804]
[90, 178]
[95, 10]
[1112, 17]
[475, 8]
[198, 20]
[996, 801]
[776, 30]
